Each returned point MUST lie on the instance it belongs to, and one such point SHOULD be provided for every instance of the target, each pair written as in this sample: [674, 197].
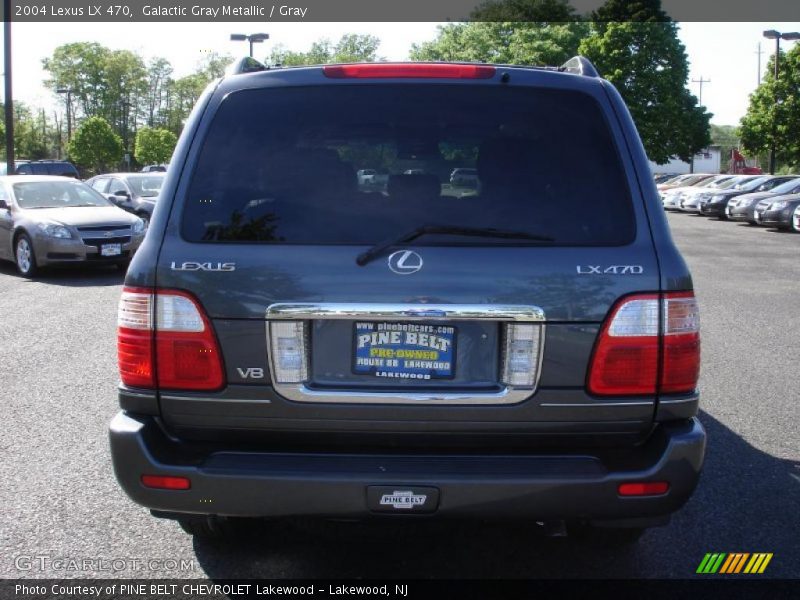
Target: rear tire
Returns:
[25, 257]
[207, 527]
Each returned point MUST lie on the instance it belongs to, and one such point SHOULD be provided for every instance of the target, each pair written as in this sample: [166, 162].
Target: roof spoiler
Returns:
[579, 65]
[246, 64]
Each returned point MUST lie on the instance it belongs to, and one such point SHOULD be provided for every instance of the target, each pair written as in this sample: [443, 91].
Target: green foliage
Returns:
[32, 134]
[727, 138]
[118, 86]
[767, 121]
[534, 43]
[529, 11]
[640, 11]
[647, 63]
[213, 65]
[95, 146]
[154, 146]
[351, 47]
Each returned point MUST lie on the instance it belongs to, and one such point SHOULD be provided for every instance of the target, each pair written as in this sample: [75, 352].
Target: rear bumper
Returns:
[541, 486]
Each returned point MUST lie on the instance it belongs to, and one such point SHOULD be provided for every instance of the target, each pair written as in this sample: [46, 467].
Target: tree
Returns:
[636, 47]
[213, 65]
[159, 74]
[154, 146]
[767, 121]
[111, 84]
[520, 43]
[79, 67]
[125, 79]
[32, 133]
[95, 146]
[182, 95]
[727, 138]
[351, 47]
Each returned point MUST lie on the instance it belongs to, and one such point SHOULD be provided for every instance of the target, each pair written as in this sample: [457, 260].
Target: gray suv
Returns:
[291, 343]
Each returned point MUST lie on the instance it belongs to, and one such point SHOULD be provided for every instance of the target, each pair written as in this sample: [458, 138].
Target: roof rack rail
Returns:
[246, 64]
[579, 65]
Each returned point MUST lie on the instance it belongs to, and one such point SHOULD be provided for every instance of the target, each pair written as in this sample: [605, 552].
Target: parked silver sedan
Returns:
[46, 221]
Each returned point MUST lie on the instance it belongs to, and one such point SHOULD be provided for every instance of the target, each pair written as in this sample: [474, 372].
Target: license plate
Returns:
[111, 249]
[411, 351]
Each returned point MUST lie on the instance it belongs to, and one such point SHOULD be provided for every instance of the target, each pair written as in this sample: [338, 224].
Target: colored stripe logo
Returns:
[734, 563]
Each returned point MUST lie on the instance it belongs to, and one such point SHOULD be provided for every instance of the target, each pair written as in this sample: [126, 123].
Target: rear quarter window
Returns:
[281, 166]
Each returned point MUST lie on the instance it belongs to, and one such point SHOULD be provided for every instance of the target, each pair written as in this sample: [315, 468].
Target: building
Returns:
[708, 160]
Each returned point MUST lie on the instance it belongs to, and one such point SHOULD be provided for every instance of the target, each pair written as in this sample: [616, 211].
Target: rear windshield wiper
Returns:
[485, 232]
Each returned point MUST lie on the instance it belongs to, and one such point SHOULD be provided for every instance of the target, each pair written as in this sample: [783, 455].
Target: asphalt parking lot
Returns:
[60, 501]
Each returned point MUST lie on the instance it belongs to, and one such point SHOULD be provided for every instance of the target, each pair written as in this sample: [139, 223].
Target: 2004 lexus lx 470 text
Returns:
[296, 340]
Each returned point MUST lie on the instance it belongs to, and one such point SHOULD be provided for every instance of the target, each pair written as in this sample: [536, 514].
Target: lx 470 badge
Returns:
[612, 270]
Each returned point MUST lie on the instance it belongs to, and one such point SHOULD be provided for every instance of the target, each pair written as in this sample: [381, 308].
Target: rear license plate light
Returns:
[289, 357]
[521, 353]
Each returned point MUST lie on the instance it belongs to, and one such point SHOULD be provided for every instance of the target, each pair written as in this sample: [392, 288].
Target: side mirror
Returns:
[4, 205]
[122, 194]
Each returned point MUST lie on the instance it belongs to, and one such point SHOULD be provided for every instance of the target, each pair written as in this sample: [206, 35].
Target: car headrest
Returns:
[416, 186]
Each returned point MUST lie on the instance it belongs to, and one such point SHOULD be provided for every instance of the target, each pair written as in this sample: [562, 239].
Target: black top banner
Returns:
[147, 11]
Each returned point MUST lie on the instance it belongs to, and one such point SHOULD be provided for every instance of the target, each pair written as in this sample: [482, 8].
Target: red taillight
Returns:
[680, 367]
[165, 340]
[408, 70]
[644, 488]
[633, 341]
[166, 482]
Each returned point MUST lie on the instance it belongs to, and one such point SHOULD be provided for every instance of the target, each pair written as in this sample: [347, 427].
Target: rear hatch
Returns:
[417, 309]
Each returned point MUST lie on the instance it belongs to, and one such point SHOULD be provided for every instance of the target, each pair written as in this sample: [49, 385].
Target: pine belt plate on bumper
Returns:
[542, 486]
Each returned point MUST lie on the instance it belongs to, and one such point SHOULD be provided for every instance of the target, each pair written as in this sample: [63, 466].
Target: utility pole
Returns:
[759, 52]
[701, 81]
[68, 92]
[9, 97]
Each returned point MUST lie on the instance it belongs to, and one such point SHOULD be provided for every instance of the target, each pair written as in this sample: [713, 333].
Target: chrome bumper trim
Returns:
[300, 392]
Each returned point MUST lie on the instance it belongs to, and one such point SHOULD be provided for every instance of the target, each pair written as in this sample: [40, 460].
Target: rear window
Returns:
[281, 165]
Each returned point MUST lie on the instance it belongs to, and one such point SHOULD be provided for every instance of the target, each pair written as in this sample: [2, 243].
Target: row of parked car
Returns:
[767, 200]
[50, 220]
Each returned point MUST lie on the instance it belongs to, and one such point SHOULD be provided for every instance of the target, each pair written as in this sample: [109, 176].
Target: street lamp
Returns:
[253, 38]
[68, 92]
[772, 34]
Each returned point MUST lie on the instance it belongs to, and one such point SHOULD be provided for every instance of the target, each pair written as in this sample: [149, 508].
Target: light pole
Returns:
[68, 92]
[253, 38]
[9, 97]
[771, 34]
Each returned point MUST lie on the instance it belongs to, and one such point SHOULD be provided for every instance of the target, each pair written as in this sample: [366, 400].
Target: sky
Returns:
[725, 53]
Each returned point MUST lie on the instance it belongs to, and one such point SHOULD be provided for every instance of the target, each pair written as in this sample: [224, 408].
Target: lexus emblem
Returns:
[405, 262]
